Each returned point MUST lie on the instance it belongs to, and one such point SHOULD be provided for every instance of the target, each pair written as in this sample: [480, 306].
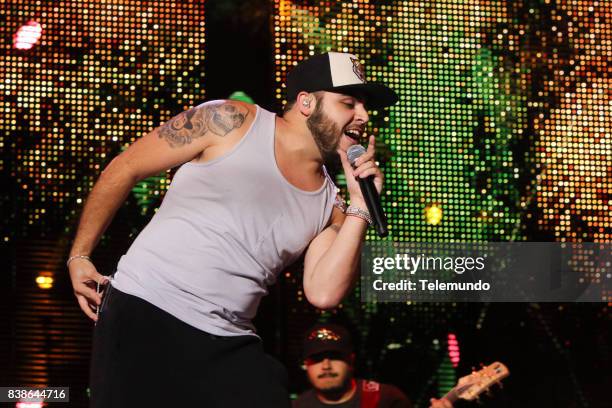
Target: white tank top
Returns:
[224, 231]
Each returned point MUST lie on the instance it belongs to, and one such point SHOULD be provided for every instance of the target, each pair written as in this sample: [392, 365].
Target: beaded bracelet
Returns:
[72, 258]
[358, 212]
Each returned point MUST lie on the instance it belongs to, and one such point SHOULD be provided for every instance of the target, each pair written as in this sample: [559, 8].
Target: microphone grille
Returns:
[354, 152]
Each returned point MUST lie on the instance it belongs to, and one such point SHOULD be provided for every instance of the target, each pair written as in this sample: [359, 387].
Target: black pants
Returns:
[145, 357]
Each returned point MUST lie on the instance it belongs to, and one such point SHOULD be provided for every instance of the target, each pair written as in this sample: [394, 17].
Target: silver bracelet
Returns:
[72, 258]
[358, 212]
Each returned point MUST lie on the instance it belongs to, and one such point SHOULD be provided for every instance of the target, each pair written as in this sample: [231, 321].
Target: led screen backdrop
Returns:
[79, 80]
[502, 133]
[503, 128]
[101, 74]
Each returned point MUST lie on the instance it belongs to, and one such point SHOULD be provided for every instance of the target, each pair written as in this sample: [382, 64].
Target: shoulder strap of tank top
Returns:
[258, 137]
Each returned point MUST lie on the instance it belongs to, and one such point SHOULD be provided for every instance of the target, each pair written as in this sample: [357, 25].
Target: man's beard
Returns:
[338, 391]
[324, 131]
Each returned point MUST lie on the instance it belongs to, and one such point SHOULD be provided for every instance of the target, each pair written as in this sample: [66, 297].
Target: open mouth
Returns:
[354, 134]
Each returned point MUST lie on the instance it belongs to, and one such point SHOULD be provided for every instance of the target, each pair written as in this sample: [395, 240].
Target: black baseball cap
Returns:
[337, 72]
[325, 337]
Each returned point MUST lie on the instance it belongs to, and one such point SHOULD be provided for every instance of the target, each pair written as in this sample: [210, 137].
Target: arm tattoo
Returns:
[219, 119]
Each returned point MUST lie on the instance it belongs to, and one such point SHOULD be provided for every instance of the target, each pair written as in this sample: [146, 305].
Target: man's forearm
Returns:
[108, 194]
[335, 272]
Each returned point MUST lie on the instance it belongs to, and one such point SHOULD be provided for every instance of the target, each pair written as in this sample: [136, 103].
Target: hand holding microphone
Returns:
[369, 178]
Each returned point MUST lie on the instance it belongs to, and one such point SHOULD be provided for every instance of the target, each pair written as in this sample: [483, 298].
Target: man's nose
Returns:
[361, 113]
[326, 364]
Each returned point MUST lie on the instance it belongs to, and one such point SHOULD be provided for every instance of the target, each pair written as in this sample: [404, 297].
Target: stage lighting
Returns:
[433, 214]
[453, 349]
[27, 35]
[45, 280]
[29, 405]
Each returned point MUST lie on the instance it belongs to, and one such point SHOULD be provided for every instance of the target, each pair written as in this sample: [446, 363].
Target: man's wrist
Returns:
[74, 252]
[81, 246]
[360, 203]
[75, 257]
[78, 252]
[358, 212]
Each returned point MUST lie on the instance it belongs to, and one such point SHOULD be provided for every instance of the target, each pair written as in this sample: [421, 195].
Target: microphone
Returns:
[369, 193]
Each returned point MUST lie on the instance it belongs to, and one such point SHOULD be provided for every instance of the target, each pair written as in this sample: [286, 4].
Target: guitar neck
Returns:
[452, 396]
[472, 385]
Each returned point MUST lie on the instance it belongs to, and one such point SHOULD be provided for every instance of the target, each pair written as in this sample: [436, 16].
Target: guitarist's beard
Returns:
[337, 392]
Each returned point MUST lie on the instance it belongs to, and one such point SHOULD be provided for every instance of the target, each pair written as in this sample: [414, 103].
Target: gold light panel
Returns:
[101, 75]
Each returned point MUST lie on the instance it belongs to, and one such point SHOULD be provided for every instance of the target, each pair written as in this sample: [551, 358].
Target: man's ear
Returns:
[306, 103]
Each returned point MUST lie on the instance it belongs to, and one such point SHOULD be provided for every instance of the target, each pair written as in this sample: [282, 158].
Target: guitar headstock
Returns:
[472, 385]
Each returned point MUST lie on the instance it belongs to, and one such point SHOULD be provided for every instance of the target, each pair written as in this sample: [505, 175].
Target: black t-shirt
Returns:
[390, 397]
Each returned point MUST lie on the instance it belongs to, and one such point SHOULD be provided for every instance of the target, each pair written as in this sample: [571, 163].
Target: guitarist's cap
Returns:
[324, 337]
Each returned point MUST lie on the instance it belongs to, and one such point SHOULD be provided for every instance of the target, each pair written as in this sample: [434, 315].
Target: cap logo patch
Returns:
[358, 69]
[323, 334]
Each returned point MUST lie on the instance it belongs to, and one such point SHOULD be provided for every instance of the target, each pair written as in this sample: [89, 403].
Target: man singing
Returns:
[250, 197]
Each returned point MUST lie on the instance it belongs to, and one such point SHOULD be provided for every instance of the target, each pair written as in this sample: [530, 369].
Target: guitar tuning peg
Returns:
[499, 383]
[482, 365]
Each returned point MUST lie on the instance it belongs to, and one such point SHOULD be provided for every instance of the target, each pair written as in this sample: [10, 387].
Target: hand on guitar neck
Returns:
[471, 386]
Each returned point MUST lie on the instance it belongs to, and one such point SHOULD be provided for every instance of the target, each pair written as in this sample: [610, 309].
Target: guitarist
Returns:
[329, 361]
